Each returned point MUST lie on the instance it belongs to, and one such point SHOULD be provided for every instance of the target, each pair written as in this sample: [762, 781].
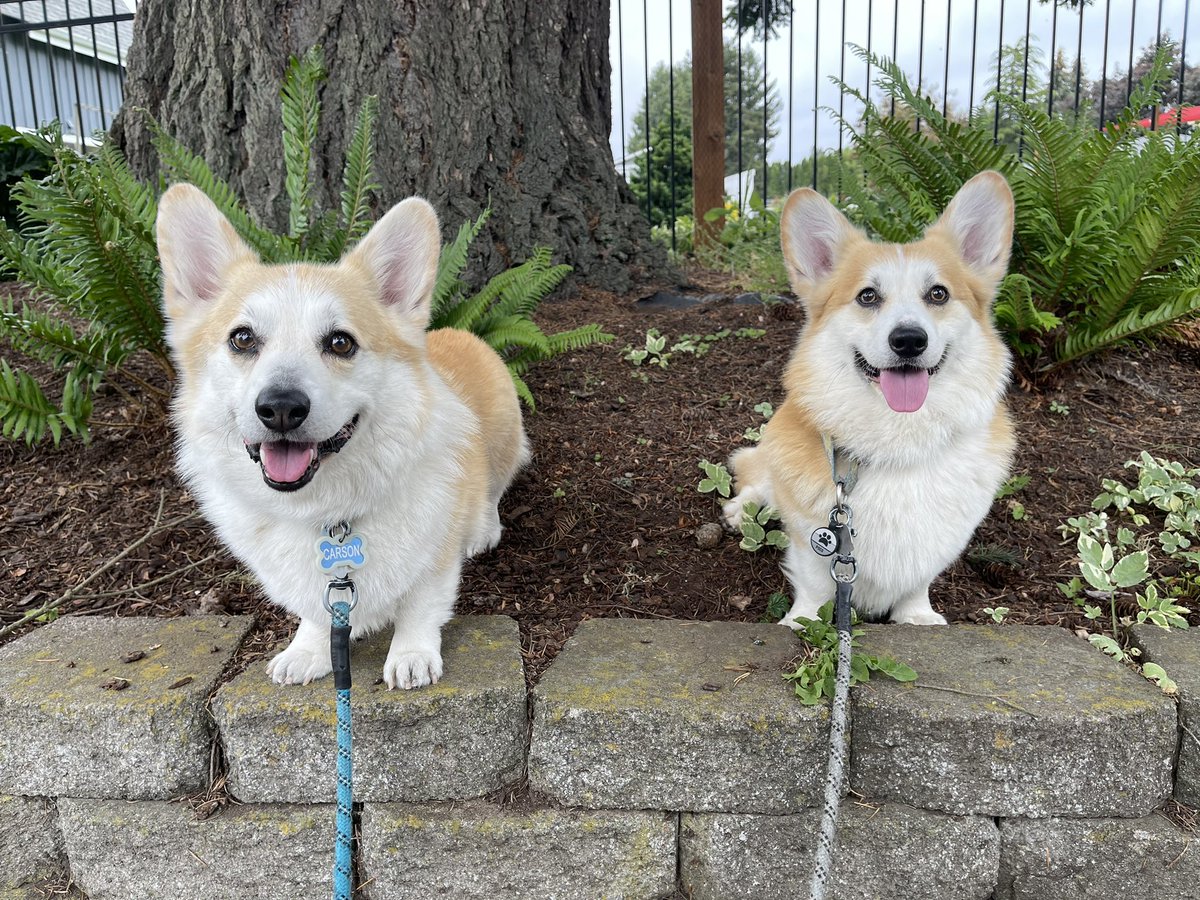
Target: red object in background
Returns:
[1179, 115]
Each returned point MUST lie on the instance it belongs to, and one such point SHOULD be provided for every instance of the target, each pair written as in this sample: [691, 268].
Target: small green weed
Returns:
[654, 353]
[1013, 485]
[716, 479]
[698, 344]
[813, 679]
[755, 531]
[754, 432]
[997, 614]
[778, 605]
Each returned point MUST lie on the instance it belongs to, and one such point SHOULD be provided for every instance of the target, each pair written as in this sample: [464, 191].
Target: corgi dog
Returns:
[900, 366]
[309, 396]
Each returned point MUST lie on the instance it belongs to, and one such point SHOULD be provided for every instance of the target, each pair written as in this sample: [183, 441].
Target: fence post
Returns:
[708, 117]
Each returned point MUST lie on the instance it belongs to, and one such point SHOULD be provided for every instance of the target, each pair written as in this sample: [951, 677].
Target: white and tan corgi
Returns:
[899, 363]
[311, 395]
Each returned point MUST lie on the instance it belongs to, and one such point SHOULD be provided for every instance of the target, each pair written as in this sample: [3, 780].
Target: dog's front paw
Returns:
[486, 537]
[300, 664]
[919, 617]
[408, 669]
[731, 514]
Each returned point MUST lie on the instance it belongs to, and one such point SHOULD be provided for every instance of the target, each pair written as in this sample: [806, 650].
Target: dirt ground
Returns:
[603, 521]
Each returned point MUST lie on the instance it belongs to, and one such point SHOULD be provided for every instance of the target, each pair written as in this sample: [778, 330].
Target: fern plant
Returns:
[499, 312]
[1107, 222]
[312, 236]
[87, 251]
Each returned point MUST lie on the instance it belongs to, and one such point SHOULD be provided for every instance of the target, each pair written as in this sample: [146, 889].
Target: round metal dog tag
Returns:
[823, 541]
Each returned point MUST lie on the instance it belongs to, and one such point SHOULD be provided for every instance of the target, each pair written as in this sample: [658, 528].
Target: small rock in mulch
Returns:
[115, 684]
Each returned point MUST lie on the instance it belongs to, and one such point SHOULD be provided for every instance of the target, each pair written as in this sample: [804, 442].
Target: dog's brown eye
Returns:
[937, 294]
[243, 340]
[340, 344]
[867, 297]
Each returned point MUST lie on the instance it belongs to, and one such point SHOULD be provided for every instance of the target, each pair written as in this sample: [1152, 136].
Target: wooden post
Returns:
[708, 118]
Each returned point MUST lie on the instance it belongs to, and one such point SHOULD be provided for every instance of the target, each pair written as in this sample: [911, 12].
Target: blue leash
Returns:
[339, 647]
[338, 559]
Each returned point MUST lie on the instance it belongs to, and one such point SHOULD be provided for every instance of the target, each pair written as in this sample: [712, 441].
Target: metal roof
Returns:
[87, 27]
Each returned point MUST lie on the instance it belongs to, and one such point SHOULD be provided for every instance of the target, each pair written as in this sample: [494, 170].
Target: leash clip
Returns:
[340, 584]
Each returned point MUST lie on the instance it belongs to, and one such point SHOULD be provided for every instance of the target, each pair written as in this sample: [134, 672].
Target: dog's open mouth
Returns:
[904, 387]
[290, 465]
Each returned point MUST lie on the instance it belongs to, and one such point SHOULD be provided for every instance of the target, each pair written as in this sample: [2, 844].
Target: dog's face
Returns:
[284, 368]
[891, 326]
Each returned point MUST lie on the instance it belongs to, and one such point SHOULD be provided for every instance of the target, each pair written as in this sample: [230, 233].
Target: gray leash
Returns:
[836, 542]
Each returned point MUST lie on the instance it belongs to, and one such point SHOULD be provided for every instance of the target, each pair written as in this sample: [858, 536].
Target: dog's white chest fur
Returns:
[910, 523]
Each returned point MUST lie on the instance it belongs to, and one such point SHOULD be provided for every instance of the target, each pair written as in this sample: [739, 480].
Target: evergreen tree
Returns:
[660, 95]
[661, 167]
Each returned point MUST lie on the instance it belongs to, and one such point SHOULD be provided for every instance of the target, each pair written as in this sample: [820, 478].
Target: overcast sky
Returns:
[671, 18]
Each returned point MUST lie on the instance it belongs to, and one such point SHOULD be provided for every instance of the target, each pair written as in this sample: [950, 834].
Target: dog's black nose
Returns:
[908, 341]
[282, 409]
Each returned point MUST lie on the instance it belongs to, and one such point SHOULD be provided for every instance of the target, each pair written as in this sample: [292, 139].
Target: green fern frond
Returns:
[358, 178]
[26, 414]
[453, 260]
[301, 116]
[576, 339]
[73, 225]
[52, 340]
[523, 391]
[181, 164]
[514, 331]
[1145, 321]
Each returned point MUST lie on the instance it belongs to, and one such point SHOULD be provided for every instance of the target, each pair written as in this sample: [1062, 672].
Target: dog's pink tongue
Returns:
[904, 389]
[285, 461]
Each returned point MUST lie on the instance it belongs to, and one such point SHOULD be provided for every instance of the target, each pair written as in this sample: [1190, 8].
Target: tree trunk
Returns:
[503, 102]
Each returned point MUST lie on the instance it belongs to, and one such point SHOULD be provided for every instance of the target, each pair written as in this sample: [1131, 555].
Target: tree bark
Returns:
[503, 102]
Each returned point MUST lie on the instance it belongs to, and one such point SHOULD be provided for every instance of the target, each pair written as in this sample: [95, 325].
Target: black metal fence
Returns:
[1076, 57]
[63, 60]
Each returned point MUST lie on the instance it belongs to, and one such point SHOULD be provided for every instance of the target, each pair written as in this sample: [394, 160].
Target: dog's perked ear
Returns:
[812, 232]
[401, 250]
[979, 221]
[196, 245]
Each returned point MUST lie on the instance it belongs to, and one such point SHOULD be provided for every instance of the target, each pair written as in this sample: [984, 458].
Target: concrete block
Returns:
[479, 850]
[150, 850]
[462, 737]
[30, 842]
[77, 720]
[1074, 859]
[679, 716]
[1178, 652]
[1010, 721]
[893, 852]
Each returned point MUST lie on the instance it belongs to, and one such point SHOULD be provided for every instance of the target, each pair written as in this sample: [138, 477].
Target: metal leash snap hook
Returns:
[843, 569]
[340, 584]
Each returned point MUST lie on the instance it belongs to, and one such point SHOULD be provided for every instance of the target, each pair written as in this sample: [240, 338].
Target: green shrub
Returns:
[19, 157]
[1107, 222]
[748, 247]
[87, 251]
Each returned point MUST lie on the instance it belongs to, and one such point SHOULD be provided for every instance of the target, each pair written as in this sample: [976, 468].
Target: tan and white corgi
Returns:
[311, 395]
[900, 365]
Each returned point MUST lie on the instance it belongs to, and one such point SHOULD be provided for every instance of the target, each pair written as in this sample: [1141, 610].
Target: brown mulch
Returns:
[602, 522]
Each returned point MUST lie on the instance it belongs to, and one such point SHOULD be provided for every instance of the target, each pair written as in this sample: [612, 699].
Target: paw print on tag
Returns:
[823, 541]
